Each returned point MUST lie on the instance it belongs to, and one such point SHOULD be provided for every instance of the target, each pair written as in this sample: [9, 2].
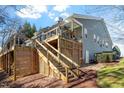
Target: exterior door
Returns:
[87, 57]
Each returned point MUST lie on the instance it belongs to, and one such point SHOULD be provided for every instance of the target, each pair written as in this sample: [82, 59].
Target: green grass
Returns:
[112, 76]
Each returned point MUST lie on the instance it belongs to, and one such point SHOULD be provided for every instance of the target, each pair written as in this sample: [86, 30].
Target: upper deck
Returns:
[69, 30]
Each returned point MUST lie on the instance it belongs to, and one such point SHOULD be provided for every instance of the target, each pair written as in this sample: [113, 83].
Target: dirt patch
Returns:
[40, 81]
[87, 79]
[36, 81]
[88, 84]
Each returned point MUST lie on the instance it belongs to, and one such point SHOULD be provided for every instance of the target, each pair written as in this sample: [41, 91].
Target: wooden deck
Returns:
[21, 61]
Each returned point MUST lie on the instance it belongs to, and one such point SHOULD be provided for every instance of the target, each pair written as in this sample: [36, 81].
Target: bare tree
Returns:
[8, 24]
[114, 18]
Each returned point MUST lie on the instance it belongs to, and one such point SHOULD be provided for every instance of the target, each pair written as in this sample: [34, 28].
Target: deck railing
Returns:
[65, 33]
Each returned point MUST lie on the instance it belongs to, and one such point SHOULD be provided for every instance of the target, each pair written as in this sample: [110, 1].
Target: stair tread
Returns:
[72, 79]
[3, 75]
[62, 70]
[70, 76]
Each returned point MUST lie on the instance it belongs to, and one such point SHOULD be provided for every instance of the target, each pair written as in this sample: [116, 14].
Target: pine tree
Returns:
[28, 30]
[34, 29]
[117, 51]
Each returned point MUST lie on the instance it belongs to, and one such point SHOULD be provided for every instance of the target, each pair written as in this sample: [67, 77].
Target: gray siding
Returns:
[98, 28]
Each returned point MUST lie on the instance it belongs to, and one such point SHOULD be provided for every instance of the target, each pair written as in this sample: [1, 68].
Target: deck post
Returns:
[14, 64]
[58, 53]
[78, 71]
[59, 49]
[14, 58]
[48, 63]
[9, 63]
[66, 69]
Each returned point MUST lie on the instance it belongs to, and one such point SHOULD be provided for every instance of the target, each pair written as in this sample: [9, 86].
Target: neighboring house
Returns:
[88, 30]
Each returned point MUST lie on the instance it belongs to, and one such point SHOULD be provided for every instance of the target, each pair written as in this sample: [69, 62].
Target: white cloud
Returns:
[51, 15]
[58, 11]
[60, 8]
[32, 11]
[56, 19]
[64, 14]
[116, 34]
[0, 49]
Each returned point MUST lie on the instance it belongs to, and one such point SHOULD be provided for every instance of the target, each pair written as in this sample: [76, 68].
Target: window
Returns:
[106, 44]
[100, 42]
[85, 32]
[103, 42]
[97, 39]
[94, 37]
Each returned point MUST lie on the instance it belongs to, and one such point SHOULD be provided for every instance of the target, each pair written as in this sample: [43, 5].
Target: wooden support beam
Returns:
[73, 52]
[15, 64]
[66, 69]
[48, 63]
[59, 50]
[9, 63]
[6, 62]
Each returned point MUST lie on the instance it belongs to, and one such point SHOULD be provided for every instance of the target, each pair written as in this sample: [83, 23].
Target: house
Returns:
[60, 50]
[90, 31]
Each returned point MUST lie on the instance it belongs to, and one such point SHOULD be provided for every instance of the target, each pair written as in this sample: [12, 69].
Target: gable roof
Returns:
[72, 16]
[85, 17]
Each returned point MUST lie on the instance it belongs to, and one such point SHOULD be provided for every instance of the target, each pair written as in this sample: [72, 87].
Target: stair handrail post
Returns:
[78, 71]
[47, 55]
[48, 62]
[66, 69]
[34, 43]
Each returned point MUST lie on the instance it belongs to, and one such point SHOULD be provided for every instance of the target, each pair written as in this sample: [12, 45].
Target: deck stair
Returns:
[67, 69]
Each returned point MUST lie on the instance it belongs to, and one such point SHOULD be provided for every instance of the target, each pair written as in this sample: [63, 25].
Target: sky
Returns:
[47, 15]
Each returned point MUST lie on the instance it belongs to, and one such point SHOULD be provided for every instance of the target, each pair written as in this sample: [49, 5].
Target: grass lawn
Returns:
[111, 76]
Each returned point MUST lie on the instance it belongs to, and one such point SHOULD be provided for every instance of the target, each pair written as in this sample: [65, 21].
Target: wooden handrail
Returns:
[5, 52]
[67, 68]
[53, 65]
[71, 61]
[52, 54]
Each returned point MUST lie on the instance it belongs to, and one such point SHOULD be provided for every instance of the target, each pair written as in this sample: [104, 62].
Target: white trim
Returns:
[85, 17]
[77, 22]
